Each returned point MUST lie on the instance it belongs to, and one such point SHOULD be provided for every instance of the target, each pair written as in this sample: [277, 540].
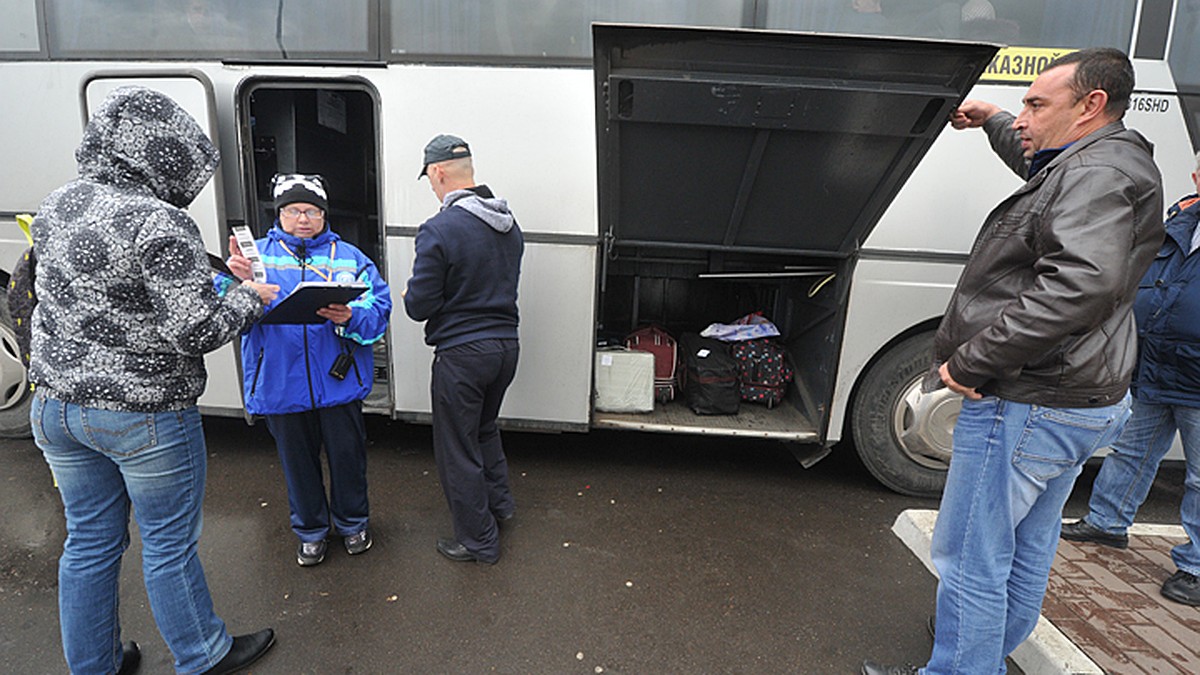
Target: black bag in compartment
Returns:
[708, 376]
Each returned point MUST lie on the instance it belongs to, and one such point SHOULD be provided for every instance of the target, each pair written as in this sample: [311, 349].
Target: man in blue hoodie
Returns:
[309, 379]
[464, 287]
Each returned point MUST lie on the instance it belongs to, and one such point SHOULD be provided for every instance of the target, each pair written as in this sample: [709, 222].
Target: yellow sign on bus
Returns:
[1020, 64]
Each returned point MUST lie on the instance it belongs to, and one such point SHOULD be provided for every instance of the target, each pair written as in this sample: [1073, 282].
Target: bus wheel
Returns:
[15, 396]
[905, 437]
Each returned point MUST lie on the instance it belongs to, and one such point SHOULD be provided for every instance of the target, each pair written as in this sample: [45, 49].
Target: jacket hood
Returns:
[1186, 202]
[480, 203]
[1181, 222]
[141, 139]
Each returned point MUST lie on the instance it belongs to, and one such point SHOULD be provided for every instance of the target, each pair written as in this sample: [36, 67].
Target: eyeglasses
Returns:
[313, 214]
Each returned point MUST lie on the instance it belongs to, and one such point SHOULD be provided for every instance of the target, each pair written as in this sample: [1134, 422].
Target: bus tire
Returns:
[904, 437]
[15, 395]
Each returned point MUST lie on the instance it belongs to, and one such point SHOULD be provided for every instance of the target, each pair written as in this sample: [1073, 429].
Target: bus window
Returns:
[264, 29]
[1030, 23]
[535, 29]
[1087, 23]
[1184, 58]
[18, 31]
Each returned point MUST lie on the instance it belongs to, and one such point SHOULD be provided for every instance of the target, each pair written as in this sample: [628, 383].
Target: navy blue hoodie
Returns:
[468, 263]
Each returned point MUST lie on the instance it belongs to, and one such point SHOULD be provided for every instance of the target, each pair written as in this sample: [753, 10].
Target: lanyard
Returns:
[327, 276]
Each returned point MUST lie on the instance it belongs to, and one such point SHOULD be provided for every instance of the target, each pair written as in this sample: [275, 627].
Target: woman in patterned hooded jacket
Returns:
[126, 311]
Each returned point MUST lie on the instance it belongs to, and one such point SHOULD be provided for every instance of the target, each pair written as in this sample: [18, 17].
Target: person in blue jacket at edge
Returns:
[309, 380]
[1166, 400]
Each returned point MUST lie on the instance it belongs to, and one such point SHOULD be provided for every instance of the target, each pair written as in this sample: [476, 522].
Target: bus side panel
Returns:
[553, 384]
[43, 124]
[532, 137]
[887, 298]
[411, 358]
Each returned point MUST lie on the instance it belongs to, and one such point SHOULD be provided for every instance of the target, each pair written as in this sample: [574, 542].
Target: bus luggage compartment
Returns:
[740, 171]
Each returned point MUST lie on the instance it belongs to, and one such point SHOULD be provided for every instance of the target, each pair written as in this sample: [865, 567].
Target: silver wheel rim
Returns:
[14, 381]
[923, 424]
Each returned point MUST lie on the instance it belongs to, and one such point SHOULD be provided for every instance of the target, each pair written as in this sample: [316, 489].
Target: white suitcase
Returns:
[624, 380]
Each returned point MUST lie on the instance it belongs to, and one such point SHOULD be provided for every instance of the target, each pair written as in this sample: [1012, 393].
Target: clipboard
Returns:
[301, 305]
[219, 265]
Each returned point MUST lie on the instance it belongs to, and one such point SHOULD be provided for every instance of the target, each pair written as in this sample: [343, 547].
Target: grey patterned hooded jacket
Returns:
[126, 307]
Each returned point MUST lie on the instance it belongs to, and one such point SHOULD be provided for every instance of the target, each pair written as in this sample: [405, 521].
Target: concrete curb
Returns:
[1046, 652]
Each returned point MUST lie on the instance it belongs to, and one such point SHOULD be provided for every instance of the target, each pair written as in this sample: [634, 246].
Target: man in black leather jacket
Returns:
[1039, 338]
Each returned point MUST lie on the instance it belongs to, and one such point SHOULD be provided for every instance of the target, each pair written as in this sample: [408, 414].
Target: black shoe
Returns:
[1182, 587]
[1082, 530]
[458, 553]
[872, 668]
[358, 543]
[246, 649]
[310, 553]
[131, 658]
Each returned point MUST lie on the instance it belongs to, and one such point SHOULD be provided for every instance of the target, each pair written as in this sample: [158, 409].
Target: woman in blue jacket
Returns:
[309, 380]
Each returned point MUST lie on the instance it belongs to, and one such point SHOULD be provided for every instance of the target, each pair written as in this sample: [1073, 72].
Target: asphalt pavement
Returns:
[630, 553]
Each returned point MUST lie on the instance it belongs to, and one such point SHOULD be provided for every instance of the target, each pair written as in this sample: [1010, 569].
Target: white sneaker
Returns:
[311, 553]
[358, 543]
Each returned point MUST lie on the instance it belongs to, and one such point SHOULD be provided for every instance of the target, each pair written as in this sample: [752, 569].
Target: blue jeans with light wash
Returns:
[105, 462]
[1012, 469]
[1128, 472]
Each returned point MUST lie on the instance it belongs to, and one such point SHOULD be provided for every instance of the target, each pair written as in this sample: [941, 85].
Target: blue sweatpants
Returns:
[299, 438]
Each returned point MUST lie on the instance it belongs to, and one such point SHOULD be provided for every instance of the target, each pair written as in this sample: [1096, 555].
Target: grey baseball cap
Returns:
[442, 148]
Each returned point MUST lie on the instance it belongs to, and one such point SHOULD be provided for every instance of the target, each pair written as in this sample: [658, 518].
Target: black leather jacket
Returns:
[1042, 311]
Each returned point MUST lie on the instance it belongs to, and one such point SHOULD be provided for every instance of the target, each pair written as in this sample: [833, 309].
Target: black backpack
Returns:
[21, 300]
[763, 371]
[709, 376]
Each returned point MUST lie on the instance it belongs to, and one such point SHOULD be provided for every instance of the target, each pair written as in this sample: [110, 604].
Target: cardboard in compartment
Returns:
[624, 380]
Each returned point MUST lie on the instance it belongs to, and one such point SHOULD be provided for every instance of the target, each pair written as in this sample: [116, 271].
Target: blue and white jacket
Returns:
[285, 367]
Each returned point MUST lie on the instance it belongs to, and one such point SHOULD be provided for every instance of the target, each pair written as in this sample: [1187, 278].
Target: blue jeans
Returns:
[1013, 467]
[1128, 472]
[105, 462]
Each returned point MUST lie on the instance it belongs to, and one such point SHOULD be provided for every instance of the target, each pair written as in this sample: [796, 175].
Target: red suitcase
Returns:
[659, 343]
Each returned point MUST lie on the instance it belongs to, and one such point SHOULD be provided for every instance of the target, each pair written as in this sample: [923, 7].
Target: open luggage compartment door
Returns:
[755, 141]
[739, 171]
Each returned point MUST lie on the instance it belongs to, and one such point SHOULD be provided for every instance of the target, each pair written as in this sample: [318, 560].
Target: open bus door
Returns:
[193, 91]
[326, 126]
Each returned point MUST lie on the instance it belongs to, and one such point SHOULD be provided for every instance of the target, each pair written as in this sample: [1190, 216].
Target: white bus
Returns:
[662, 174]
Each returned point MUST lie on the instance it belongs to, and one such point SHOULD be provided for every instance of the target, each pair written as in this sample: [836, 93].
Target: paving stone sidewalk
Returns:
[1107, 602]
[1103, 612]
